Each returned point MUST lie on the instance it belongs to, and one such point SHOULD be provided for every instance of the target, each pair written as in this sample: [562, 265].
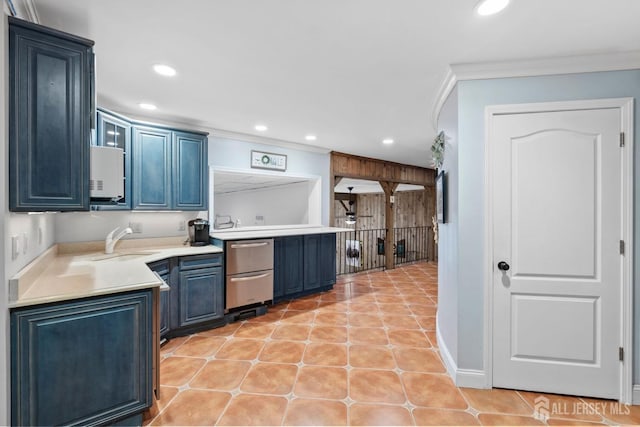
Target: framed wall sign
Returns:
[271, 161]
[441, 197]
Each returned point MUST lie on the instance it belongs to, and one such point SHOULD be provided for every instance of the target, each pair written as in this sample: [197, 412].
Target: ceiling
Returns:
[232, 182]
[352, 72]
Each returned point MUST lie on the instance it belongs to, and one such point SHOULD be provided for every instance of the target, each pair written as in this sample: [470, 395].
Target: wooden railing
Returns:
[362, 250]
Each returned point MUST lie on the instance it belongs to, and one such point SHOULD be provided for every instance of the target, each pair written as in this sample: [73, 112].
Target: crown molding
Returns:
[532, 67]
[24, 9]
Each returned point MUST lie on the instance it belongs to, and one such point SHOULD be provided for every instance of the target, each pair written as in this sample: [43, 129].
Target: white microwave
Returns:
[107, 173]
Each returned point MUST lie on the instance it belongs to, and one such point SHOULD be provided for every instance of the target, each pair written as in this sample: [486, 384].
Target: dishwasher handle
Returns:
[247, 278]
[248, 245]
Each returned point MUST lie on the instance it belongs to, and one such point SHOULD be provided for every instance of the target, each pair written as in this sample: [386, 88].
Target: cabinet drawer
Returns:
[200, 261]
[249, 288]
[249, 255]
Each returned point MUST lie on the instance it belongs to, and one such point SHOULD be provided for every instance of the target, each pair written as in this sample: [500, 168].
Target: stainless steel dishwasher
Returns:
[249, 272]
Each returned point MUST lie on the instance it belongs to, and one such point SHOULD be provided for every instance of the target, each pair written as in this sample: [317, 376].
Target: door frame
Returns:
[626, 295]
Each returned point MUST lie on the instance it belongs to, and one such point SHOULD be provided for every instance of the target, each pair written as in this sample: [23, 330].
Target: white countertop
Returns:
[78, 270]
[272, 231]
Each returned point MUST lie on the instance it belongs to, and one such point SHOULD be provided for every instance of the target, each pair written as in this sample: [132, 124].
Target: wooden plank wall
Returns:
[412, 209]
[351, 166]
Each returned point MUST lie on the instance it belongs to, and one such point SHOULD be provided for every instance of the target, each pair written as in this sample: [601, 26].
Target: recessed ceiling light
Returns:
[164, 70]
[111, 144]
[310, 137]
[261, 128]
[490, 7]
[111, 132]
[146, 106]
[387, 141]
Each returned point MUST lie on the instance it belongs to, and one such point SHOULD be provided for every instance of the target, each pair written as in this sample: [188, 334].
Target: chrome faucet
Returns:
[111, 241]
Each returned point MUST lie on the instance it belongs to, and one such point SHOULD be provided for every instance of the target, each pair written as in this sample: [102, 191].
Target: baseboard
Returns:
[472, 378]
[636, 394]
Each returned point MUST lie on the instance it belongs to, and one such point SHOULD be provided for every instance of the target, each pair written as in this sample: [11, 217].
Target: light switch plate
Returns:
[15, 247]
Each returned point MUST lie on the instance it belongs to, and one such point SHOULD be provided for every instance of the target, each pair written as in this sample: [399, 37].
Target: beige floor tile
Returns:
[224, 331]
[326, 354]
[372, 336]
[321, 382]
[254, 330]
[314, 412]
[370, 356]
[443, 417]
[497, 400]
[432, 391]
[379, 415]
[337, 334]
[565, 407]
[166, 394]
[177, 371]
[221, 375]
[194, 408]
[199, 346]
[254, 410]
[375, 386]
[171, 345]
[507, 420]
[291, 332]
[282, 352]
[270, 378]
[240, 349]
[363, 320]
[418, 360]
[408, 338]
[400, 322]
[303, 317]
[334, 319]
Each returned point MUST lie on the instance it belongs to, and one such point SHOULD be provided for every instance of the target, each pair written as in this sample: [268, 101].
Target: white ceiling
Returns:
[350, 71]
[231, 182]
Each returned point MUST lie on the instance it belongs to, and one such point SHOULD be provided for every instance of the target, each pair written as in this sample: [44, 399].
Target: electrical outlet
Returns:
[25, 243]
[181, 226]
[259, 218]
[136, 227]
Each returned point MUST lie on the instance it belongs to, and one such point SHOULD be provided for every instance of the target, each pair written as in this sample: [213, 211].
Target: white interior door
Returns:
[557, 224]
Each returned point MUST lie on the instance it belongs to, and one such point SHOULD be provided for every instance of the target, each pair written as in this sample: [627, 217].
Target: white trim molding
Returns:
[636, 395]
[618, 61]
[471, 378]
[628, 392]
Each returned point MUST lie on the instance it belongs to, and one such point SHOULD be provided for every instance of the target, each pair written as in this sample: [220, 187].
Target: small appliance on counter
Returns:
[198, 232]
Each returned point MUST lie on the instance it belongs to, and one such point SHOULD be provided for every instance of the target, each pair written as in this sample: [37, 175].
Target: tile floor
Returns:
[363, 354]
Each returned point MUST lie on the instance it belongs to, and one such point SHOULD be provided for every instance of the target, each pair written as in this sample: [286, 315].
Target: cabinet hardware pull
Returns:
[244, 279]
[248, 245]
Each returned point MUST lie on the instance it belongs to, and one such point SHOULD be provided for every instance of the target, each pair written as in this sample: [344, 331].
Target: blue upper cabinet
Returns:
[190, 177]
[169, 169]
[151, 168]
[50, 110]
[115, 131]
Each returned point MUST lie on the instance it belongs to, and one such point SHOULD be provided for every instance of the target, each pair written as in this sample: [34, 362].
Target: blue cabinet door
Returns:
[115, 131]
[201, 296]
[151, 168]
[164, 308]
[287, 266]
[190, 172]
[83, 362]
[50, 81]
[319, 260]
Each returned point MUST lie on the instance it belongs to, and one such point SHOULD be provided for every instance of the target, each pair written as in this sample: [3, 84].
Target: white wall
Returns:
[86, 226]
[448, 233]
[232, 154]
[282, 205]
[4, 312]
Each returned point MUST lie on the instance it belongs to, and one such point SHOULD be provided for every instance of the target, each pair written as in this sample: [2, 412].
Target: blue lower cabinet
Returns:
[319, 260]
[288, 266]
[303, 265]
[83, 362]
[201, 296]
[164, 309]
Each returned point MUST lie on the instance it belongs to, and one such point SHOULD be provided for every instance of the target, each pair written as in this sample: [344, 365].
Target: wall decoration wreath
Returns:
[437, 150]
